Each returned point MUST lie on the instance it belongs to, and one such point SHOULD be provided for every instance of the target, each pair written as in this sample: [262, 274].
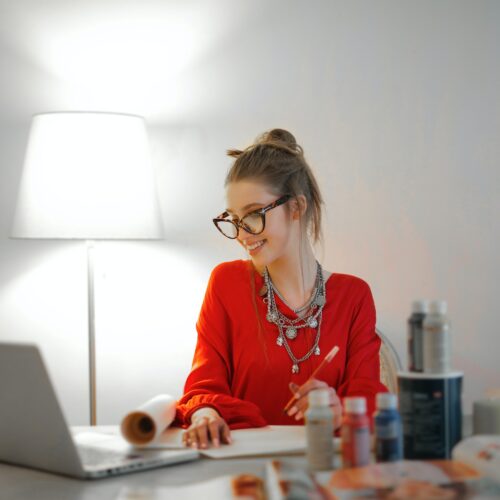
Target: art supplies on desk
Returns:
[404, 479]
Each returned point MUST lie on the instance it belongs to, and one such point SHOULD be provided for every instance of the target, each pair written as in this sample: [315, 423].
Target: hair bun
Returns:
[279, 134]
[280, 137]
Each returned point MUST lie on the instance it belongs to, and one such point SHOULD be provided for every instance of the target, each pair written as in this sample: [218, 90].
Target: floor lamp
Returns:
[88, 176]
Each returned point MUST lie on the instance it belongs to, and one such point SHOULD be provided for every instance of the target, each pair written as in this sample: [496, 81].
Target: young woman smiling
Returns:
[266, 323]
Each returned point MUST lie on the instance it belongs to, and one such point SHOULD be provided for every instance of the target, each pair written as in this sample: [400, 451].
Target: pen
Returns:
[326, 360]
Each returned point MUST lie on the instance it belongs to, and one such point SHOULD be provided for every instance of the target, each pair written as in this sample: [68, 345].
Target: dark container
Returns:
[431, 411]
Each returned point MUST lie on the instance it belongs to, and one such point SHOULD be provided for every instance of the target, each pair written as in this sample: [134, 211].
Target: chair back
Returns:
[390, 363]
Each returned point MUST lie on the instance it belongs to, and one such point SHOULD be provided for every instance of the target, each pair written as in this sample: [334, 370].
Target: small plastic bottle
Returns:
[436, 336]
[419, 308]
[319, 431]
[388, 429]
[355, 433]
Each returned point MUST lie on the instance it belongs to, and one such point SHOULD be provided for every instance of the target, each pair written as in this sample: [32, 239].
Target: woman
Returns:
[266, 323]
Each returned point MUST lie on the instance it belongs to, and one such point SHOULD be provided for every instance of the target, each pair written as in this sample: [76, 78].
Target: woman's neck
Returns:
[295, 276]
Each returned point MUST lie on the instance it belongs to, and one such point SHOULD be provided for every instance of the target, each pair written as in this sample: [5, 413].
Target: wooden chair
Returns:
[390, 363]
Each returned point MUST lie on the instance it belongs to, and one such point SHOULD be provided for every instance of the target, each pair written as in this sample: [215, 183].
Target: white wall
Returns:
[396, 105]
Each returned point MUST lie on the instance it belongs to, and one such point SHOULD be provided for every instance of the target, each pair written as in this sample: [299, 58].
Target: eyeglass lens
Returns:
[252, 223]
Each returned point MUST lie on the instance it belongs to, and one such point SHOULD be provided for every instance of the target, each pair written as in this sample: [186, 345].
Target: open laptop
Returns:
[34, 433]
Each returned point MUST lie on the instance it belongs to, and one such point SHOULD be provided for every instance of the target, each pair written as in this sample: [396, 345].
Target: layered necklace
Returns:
[288, 329]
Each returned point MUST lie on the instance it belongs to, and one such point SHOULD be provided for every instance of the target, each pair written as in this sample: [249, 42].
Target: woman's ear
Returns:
[298, 206]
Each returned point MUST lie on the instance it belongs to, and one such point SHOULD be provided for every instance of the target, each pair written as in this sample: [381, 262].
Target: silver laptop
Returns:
[34, 433]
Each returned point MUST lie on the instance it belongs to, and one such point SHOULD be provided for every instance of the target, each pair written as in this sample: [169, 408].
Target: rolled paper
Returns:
[146, 424]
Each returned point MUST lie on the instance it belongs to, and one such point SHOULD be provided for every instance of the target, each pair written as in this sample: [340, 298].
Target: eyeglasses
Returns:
[253, 222]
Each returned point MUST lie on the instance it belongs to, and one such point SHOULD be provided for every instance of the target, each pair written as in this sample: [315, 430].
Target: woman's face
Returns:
[274, 242]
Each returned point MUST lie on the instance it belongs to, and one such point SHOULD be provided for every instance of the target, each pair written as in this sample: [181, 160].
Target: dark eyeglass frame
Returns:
[238, 222]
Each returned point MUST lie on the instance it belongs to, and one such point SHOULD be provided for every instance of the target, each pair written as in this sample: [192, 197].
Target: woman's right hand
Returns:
[207, 427]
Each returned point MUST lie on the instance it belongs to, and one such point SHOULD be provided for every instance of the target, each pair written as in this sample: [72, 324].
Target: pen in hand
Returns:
[325, 361]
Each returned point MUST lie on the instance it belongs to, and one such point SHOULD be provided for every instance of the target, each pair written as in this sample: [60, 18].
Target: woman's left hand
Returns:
[301, 404]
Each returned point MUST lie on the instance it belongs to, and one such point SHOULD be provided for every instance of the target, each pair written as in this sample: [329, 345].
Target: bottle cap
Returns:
[420, 306]
[319, 397]
[438, 307]
[386, 401]
[355, 405]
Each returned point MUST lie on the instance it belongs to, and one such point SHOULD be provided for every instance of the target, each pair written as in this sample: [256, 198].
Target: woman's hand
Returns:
[301, 404]
[207, 426]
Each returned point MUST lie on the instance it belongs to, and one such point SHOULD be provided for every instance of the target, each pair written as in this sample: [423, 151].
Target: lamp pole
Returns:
[91, 328]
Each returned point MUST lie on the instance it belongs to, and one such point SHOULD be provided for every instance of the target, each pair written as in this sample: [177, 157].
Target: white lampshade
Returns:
[87, 175]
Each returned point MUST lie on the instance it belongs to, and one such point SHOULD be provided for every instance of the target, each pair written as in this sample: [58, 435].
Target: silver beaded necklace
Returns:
[289, 328]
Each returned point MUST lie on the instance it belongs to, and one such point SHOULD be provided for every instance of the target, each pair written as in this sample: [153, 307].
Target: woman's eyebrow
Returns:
[246, 207]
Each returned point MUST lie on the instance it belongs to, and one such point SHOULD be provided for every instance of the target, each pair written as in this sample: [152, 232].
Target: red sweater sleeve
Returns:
[209, 382]
[362, 374]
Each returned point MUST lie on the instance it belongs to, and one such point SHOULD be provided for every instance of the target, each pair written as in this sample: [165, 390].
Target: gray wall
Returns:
[395, 103]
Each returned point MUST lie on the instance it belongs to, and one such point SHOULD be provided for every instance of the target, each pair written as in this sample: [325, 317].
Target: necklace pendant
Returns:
[291, 333]
[279, 341]
[317, 351]
[313, 322]
[320, 300]
[295, 368]
[263, 291]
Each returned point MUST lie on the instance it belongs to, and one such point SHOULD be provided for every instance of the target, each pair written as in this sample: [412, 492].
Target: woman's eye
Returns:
[252, 216]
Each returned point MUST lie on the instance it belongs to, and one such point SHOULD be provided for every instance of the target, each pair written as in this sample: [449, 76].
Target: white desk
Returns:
[17, 483]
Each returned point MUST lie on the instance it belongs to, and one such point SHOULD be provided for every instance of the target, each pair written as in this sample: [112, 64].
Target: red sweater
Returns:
[244, 374]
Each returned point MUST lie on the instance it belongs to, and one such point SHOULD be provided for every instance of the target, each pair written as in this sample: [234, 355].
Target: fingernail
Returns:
[297, 395]
[299, 415]
[193, 445]
[292, 410]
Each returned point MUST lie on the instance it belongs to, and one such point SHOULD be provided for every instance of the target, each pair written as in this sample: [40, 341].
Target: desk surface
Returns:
[18, 483]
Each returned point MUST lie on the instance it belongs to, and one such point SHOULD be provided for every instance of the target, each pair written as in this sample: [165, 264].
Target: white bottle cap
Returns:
[319, 397]
[387, 401]
[355, 405]
[438, 307]
[420, 306]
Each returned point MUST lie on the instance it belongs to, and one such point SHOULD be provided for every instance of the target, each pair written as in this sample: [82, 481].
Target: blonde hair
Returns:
[276, 160]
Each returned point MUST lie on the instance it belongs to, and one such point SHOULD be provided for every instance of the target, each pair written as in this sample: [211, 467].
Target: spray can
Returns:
[355, 433]
[319, 431]
[388, 429]
[436, 339]
[415, 341]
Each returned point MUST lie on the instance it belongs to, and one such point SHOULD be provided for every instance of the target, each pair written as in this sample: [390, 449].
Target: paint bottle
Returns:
[319, 431]
[419, 308]
[388, 429]
[436, 339]
[355, 433]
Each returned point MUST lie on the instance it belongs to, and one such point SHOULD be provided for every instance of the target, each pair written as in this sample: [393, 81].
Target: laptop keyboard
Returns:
[97, 456]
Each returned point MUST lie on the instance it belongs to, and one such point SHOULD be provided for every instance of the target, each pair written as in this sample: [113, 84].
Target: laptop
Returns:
[34, 432]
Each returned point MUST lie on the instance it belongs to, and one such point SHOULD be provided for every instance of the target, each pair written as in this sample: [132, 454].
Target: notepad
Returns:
[261, 441]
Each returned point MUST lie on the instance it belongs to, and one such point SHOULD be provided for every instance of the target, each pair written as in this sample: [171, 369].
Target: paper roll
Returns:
[146, 424]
